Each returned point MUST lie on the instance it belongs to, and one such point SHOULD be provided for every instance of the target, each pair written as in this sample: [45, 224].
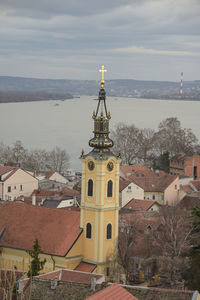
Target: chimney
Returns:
[33, 199]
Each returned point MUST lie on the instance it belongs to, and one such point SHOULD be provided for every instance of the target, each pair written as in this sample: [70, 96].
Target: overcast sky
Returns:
[137, 39]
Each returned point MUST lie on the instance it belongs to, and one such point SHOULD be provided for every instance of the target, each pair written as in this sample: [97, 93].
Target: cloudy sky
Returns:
[137, 39]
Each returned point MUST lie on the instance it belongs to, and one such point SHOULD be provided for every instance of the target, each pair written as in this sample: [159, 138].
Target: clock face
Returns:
[110, 166]
[91, 165]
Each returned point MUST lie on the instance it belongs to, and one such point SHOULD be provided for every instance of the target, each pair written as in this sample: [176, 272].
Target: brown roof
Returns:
[152, 182]
[129, 170]
[55, 229]
[189, 201]
[58, 193]
[137, 204]
[123, 183]
[72, 276]
[86, 267]
[6, 169]
[112, 292]
[140, 220]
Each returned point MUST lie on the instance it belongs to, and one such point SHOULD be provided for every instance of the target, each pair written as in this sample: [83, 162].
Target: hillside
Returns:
[117, 87]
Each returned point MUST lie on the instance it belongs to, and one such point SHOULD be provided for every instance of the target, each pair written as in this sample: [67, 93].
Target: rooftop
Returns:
[55, 229]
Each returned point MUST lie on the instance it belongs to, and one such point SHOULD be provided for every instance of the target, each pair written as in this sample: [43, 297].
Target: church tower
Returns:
[100, 192]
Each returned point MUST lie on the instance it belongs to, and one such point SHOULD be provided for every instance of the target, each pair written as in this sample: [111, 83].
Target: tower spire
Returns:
[101, 141]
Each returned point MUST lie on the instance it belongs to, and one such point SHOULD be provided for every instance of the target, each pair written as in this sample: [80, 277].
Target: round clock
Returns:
[110, 166]
[91, 165]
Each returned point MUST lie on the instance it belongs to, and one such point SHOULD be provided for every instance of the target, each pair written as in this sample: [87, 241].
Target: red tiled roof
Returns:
[140, 221]
[58, 193]
[86, 267]
[152, 182]
[6, 169]
[123, 183]
[128, 170]
[112, 292]
[72, 276]
[55, 229]
[147, 179]
[137, 204]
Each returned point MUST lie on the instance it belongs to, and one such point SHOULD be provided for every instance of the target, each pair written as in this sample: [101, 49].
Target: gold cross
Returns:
[102, 70]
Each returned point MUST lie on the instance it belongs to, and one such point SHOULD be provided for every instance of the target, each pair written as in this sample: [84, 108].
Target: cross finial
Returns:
[102, 70]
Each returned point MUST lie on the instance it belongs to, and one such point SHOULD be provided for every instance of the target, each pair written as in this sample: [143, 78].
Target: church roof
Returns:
[56, 230]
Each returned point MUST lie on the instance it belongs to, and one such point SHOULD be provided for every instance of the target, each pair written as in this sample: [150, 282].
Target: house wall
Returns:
[130, 192]
[176, 167]
[21, 183]
[46, 184]
[157, 196]
[190, 163]
[171, 193]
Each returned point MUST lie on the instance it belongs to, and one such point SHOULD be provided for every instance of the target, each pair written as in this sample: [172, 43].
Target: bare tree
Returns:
[126, 141]
[36, 160]
[173, 138]
[146, 140]
[171, 240]
[58, 160]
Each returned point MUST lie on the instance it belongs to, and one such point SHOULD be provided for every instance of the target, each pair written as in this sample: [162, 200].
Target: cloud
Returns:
[143, 50]
[85, 34]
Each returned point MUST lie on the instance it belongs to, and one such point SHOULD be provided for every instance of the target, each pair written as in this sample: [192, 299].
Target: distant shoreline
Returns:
[24, 96]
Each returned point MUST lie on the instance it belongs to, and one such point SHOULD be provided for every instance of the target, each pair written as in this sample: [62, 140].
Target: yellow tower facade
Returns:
[100, 192]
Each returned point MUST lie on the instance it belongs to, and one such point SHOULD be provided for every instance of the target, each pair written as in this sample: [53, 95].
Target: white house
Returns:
[129, 190]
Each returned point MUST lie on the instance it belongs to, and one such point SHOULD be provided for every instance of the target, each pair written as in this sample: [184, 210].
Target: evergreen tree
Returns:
[36, 264]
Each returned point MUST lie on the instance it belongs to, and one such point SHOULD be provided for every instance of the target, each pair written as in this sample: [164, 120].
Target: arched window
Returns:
[88, 231]
[109, 188]
[109, 232]
[90, 187]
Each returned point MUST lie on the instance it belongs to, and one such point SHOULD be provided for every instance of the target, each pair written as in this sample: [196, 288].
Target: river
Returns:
[69, 124]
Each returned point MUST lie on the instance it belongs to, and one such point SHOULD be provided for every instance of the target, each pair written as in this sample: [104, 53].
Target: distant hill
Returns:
[116, 87]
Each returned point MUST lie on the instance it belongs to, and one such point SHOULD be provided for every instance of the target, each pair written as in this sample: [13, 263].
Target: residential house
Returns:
[55, 176]
[182, 164]
[157, 185]
[129, 190]
[52, 181]
[15, 182]
[143, 205]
